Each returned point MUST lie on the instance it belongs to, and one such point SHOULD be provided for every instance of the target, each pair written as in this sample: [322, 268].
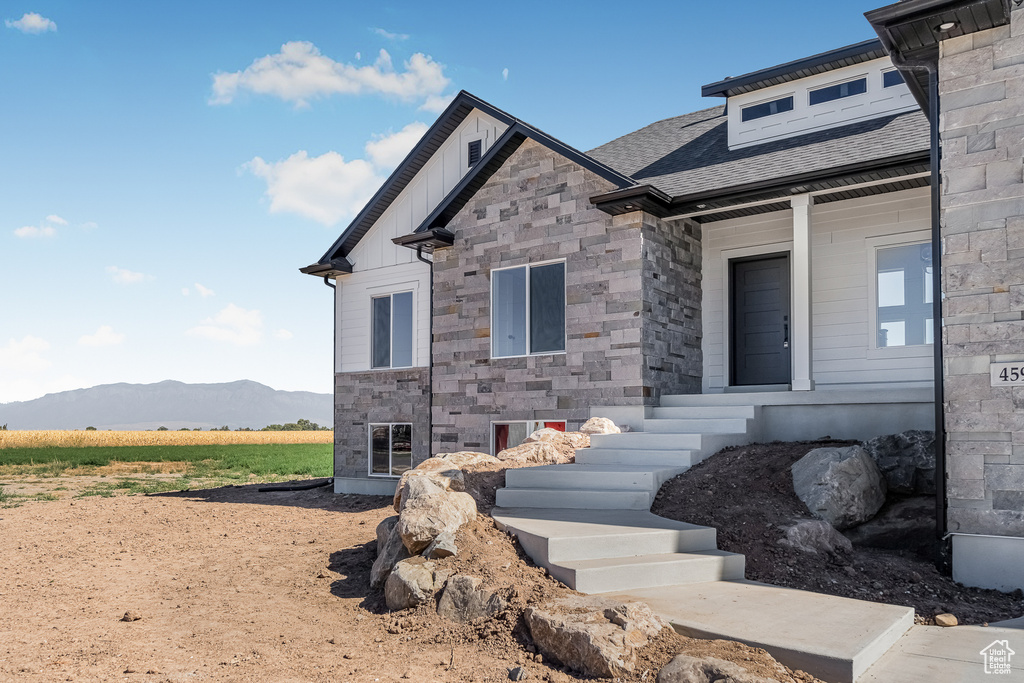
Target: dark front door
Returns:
[760, 320]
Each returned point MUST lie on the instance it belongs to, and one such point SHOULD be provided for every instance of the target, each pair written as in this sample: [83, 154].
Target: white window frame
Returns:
[565, 286]
[866, 77]
[537, 424]
[873, 244]
[391, 329]
[369, 449]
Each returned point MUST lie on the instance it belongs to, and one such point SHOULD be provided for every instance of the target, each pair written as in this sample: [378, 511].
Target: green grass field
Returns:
[151, 469]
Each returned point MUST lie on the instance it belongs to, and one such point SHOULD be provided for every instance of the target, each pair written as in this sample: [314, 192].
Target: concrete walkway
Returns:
[932, 654]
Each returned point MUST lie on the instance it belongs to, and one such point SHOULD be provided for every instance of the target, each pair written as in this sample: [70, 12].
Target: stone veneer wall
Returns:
[536, 208]
[362, 398]
[981, 80]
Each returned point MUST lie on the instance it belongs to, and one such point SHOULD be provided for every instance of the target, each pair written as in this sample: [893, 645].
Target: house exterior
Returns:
[784, 246]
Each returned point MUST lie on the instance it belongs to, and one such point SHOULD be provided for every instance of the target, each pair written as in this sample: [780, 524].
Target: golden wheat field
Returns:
[81, 439]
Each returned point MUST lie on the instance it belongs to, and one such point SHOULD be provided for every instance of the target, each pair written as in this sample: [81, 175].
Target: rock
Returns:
[839, 485]
[902, 524]
[907, 461]
[410, 583]
[391, 553]
[467, 461]
[463, 600]
[131, 616]
[442, 546]
[423, 518]
[686, 669]
[537, 453]
[518, 674]
[599, 425]
[384, 531]
[814, 536]
[594, 636]
[545, 434]
[433, 479]
[945, 620]
[559, 439]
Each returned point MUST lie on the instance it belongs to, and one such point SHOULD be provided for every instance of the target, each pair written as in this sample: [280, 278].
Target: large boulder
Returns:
[907, 460]
[537, 453]
[423, 518]
[438, 477]
[467, 461]
[817, 537]
[412, 582]
[389, 553]
[687, 669]
[594, 636]
[599, 425]
[463, 600]
[842, 486]
[571, 440]
[902, 524]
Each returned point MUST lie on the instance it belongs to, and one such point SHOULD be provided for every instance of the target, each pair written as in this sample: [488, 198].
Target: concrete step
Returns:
[835, 639]
[575, 498]
[590, 477]
[697, 425]
[625, 456]
[648, 571]
[647, 441]
[564, 535]
[747, 412]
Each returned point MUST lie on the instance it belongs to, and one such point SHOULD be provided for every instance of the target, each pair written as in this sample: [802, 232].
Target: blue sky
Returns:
[166, 168]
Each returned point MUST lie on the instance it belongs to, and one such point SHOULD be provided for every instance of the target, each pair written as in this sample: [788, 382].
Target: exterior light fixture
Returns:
[702, 206]
[629, 207]
[947, 26]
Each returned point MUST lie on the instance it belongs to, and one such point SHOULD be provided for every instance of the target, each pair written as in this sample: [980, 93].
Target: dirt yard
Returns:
[233, 584]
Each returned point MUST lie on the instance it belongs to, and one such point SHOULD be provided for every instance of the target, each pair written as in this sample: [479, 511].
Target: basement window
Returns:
[838, 91]
[759, 111]
[511, 434]
[390, 449]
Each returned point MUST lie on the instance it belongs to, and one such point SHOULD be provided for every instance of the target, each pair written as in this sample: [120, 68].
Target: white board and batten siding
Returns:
[845, 235]
[380, 267]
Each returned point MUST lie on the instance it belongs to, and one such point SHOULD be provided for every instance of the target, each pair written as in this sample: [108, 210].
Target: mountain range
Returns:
[168, 404]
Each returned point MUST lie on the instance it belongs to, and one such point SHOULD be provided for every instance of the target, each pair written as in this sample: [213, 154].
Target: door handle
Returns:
[785, 333]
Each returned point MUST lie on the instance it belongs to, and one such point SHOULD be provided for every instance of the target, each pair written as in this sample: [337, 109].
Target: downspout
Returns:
[430, 361]
[940, 417]
[334, 362]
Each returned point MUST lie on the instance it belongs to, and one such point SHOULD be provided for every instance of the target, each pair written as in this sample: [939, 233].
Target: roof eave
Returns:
[427, 241]
[332, 268]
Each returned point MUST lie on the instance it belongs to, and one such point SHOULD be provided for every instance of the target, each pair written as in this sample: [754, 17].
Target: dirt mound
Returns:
[747, 494]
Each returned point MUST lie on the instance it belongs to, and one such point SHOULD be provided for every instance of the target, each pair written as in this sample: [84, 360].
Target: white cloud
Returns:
[388, 151]
[325, 188]
[89, 225]
[299, 72]
[234, 325]
[123, 276]
[104, 336]
[184, 291]
[32, 23]
[437, 103]
[504, 74]
[389, 35]
[24, 356]
[359, 55]
[55, 219]
[203, 291]
[31, 231]
[283, 334]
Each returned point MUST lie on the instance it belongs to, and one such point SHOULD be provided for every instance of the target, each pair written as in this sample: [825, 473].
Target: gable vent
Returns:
[473, 151]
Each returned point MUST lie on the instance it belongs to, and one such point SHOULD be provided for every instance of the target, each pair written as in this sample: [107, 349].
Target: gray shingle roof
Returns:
[690, 153]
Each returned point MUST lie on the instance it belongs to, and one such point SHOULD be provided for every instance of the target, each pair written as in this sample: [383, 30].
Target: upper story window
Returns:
[904, 299]
[759, 111]
[891, 78]
[528, 310]
[391, 345]
[838, 91]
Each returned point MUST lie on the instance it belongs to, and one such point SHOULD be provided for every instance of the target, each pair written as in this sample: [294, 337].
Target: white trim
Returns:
[873, 244]
[740, 253]
[369, 449]
[565, 287]
[391, 325]
[464, 149]
[494, 446]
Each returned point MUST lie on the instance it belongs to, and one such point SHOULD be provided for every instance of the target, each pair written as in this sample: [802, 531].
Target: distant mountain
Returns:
[170, 404]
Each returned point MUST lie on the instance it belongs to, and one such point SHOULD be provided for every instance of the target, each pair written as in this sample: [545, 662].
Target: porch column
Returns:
[800, 337]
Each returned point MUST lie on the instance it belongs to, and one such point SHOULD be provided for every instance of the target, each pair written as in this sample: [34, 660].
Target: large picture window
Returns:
[528, 310]
[391, 344]
[390, 449]
[904, 295]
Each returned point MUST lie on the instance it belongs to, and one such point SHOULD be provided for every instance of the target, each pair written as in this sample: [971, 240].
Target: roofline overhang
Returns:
[426, 241]
[826, 61]
[332, 268]
[653, 201]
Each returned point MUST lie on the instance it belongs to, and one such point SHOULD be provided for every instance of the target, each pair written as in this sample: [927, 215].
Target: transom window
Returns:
[891, 78]
[904, 295]
[528, 310]
[839, 90]
[391, 346]
[511, 434]
[759, 111]
[390, 449]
